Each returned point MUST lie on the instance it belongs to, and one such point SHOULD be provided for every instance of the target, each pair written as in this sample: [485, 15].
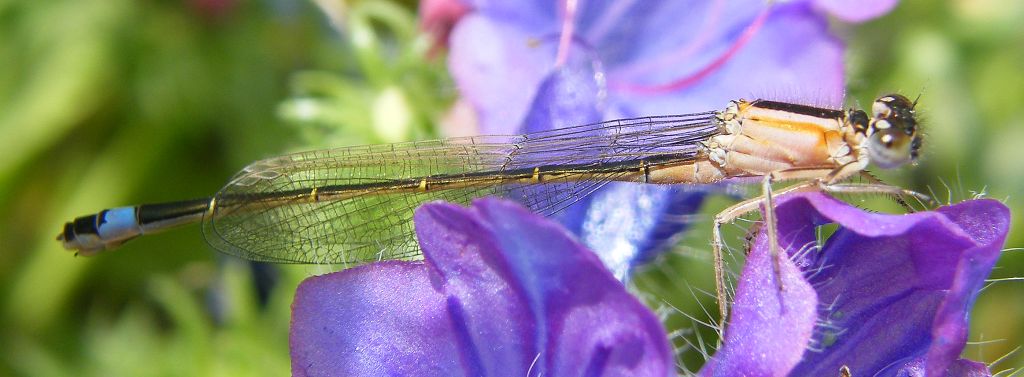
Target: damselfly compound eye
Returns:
[890, 148]
[893, 138]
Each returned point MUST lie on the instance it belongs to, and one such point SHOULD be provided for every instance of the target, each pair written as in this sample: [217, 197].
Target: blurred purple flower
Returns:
[537, 65]
[887, 295]
[502, 292]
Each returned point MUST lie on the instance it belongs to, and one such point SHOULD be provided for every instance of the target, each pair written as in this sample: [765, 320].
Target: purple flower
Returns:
[537, 65]
[502, 292]
[505, 292]
[643, 57]
[887, 295]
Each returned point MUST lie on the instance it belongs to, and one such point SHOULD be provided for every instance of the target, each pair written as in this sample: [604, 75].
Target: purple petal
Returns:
[673, 33]
[569, 96]
[498, 67]
[891, 287]
[460, 249]
[968, 368]
[538, 16]
[791, 57]
[629, 224]
[371, 321]
[958, 368]
[770, 327]
[502, 292]
[499, 62]
[582, 317]
[856, 11]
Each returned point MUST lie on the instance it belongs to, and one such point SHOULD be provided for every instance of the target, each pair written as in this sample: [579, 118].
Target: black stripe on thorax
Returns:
[799, 109]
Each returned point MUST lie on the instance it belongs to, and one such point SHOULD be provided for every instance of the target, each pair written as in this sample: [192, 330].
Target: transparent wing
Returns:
[374, 222]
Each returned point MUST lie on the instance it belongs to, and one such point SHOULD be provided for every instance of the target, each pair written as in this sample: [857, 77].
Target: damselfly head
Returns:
[892, 134]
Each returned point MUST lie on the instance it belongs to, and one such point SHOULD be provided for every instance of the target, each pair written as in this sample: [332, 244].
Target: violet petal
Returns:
[958, 368]
[896, 286]
[894, 290]
[628, 224]
[498, 68]
[358, 323]
[967, 368]
[581, 315]
[503, 292]
[569, 96]
[499, 61]
[769, 328]
[891, 287]
[791, 58]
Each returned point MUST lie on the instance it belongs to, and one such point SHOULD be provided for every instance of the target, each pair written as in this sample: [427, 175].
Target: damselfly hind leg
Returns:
[726, 216]
[770, 225]
[734, 212]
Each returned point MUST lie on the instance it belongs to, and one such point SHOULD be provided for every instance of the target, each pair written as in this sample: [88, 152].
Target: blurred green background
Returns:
[116, 102]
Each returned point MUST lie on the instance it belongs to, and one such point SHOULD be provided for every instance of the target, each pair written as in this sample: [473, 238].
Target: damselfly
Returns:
[354, 205]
